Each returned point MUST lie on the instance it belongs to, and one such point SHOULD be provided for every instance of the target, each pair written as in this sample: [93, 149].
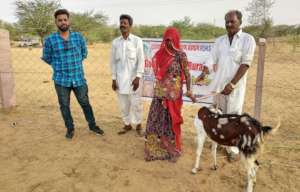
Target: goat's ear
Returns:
[213, 109]
[201, 108]
[200, 112]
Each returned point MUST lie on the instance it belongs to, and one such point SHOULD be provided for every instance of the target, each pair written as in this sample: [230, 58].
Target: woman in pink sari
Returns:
[163, 129]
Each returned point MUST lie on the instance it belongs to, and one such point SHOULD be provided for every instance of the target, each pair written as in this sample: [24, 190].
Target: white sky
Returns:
[164, 11]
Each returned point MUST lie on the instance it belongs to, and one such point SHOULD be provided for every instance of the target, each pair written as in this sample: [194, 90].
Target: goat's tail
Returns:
[266, 129]
[270, 130]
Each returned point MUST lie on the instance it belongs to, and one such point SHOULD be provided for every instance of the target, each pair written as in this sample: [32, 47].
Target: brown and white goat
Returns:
[242, 131]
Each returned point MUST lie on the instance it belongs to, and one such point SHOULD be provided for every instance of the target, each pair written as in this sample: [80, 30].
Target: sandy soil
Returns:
[35, 156]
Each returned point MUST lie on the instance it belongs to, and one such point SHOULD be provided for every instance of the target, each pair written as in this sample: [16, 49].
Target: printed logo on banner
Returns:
[198, 55]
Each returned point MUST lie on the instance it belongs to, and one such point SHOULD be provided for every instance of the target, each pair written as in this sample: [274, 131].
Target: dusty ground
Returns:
[35, 156]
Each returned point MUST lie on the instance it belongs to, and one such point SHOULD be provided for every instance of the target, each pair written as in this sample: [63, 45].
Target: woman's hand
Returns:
[190, 95]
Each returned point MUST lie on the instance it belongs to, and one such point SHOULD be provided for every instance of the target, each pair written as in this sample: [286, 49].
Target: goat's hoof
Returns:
[250, 187]
[215, 167]
[194, 170]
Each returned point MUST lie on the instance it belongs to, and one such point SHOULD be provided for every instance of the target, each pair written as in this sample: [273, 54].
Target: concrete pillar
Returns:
[7, 83]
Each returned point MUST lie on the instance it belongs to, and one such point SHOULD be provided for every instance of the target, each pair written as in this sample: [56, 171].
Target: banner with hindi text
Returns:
[197, 53]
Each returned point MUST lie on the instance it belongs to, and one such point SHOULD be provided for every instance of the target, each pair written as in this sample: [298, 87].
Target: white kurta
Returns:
[127, 63]
[229, 58]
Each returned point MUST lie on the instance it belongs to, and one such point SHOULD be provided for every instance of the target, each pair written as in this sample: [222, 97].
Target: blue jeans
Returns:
[81, 93]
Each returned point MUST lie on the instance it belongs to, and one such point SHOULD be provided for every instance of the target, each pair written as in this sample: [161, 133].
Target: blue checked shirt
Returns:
[66, 58]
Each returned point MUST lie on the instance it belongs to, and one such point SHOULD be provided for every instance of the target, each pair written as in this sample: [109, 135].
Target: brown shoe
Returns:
[126, 128]
[139, 130]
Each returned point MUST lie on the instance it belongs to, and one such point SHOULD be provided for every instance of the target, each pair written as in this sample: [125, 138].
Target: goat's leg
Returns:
[201, 135]
[214, 154]
[251, 167]
[200, 143]
[256, 166]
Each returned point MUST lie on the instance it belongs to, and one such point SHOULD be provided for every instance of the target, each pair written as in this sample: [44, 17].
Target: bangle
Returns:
[232, 85]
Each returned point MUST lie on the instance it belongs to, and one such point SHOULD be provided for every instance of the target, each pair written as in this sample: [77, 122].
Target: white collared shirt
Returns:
[229, 58]
[127, 61]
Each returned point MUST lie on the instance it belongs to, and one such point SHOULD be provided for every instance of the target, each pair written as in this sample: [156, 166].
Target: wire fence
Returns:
[34, 87]
[35, 94]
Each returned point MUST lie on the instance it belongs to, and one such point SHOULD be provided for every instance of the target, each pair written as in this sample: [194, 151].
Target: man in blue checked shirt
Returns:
[64, 51]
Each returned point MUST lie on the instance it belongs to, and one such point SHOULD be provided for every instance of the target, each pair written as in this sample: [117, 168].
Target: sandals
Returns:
[126, 128]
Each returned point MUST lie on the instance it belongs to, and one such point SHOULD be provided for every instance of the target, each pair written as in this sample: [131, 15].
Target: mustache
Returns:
[64, 28]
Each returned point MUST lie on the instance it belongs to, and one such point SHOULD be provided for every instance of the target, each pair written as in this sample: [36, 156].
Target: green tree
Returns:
[184, 26]
[259, 11]
[282, 30]
[13, 28]
[93, 26]
[260, 15]
[36, 16]
[147, 31]
[205, 31]
[200, 31]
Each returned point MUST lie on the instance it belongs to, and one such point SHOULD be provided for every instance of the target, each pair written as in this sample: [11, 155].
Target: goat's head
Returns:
[204, 113]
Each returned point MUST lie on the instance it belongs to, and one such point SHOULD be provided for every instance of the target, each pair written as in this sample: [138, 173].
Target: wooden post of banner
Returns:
[259, 78]
[7, 94]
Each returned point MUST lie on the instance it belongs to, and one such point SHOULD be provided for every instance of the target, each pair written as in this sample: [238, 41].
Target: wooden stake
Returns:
[259, 78]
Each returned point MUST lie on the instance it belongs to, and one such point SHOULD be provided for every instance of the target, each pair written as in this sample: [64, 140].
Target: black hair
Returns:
[237, 13]
[128, 17]
[61, 12]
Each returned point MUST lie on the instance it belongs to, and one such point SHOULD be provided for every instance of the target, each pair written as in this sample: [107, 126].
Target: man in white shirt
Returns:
[231, 57]
[127, 65]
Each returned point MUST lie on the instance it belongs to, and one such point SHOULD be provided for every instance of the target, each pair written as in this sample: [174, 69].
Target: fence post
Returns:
[7, 93]
[259, 77]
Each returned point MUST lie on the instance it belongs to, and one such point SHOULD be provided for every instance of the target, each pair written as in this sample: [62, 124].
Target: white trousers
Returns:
[131, 107]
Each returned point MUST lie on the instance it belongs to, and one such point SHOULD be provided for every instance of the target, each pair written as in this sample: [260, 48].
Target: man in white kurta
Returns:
[231, 57]
[228, 59]
[127, 65]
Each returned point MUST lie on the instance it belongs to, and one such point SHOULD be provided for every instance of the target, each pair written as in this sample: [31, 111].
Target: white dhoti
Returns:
[131, 107]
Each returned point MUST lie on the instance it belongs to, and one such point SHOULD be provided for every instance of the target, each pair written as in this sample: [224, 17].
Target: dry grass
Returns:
[35, 157]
